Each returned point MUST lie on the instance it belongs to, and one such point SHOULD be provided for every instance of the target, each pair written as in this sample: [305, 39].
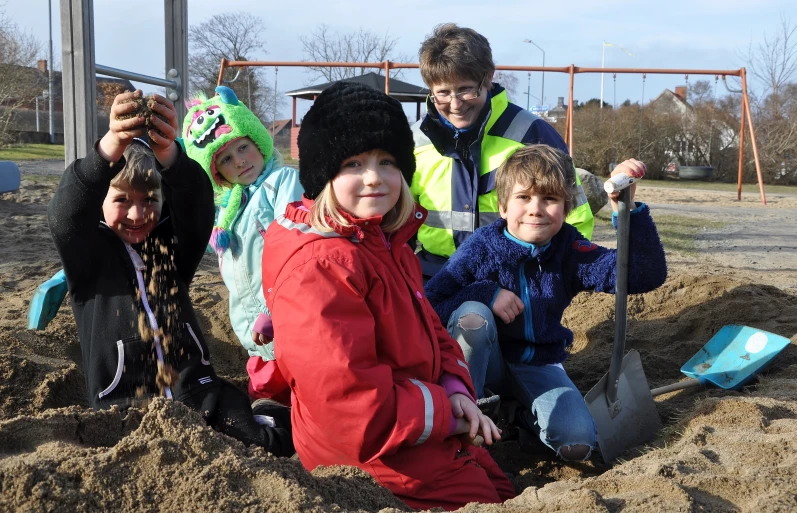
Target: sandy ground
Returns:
[719, 451]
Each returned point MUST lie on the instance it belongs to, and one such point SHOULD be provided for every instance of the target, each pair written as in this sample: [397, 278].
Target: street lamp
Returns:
[603, 61]
[531, 96]
[50, 80]
[542, 93]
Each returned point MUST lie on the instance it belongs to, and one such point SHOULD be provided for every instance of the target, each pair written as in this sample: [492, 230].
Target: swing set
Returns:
[572, 70]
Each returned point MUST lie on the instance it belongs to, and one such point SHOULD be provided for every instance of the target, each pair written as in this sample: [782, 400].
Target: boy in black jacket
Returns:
[131, 226]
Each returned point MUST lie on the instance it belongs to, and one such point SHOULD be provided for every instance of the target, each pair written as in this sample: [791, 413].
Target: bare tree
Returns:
[325, 45]
[774, 62]
[19, 82]
[510, 82]
[17, 47]
[234, 36]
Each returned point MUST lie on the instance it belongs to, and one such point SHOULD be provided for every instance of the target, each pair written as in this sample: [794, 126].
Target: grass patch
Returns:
[32, 152]
[677, 233]
[39, 179]
[747, 188]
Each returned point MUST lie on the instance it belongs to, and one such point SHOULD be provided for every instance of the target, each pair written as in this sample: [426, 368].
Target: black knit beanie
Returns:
[348, 119]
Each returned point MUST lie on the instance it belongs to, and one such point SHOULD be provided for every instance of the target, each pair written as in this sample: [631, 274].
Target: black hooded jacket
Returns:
[119, 366]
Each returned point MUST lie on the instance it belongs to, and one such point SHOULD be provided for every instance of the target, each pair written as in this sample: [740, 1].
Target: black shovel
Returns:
[621, 403]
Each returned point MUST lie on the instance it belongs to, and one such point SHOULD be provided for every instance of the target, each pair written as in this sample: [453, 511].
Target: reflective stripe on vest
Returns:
[432, 183]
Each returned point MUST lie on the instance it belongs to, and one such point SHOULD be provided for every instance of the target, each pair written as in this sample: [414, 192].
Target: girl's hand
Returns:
[631, 167]
[165, 130]
[121, 132]
[260, 339]
[507, 305]
[471, 420]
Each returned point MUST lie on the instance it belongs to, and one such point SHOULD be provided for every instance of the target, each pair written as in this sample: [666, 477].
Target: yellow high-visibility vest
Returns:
[433, 188]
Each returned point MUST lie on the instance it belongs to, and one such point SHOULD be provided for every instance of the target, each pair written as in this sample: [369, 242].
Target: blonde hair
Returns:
[541, 168]
[140, 170]
[326, 210]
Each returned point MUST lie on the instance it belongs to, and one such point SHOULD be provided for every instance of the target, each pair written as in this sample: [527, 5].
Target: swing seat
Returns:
[9, 176]
[46, 301]
[702, 173]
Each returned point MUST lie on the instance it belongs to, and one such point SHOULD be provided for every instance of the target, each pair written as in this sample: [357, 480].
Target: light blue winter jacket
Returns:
[240, 266]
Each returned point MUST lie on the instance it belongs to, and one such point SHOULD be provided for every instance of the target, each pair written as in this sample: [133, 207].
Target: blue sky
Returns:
[676, 34]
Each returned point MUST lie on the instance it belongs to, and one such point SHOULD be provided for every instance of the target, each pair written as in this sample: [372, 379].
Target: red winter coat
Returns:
[363, 352]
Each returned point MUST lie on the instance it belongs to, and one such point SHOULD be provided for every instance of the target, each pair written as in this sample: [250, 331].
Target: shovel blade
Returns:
[633, 420]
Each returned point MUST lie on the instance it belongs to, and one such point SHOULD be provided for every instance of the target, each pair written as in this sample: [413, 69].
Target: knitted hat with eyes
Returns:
[211, 125]
[348, 119]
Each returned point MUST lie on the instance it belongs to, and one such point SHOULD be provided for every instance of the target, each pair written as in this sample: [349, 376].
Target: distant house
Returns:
[280, 131]
[675, 102]
[558, 112]
[25, 90]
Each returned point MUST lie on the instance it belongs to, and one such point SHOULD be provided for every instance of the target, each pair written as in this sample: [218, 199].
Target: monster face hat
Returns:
[210, 126]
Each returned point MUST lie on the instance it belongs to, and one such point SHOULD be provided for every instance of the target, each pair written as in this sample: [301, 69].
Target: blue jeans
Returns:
[556, 411]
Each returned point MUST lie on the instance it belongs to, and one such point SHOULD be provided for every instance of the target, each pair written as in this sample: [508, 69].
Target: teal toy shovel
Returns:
[733, 356]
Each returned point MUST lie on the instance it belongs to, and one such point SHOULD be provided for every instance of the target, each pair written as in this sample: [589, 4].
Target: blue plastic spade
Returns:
[733, 356]
[46, 301]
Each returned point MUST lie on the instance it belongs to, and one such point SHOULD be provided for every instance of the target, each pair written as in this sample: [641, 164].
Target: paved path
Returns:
[41, 167]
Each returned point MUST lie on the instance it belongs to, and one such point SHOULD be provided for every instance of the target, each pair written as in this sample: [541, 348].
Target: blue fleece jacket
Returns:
[546, 279]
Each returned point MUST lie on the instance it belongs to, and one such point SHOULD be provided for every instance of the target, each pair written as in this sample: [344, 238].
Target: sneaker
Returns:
[527, 436]
[268, 412]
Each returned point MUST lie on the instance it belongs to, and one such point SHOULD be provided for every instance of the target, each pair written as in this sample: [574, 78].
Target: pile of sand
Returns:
[719, 451]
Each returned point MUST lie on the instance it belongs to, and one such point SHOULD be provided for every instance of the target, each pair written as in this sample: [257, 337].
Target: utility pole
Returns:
[603, 61]
[528, 92]
[542, 92]
[50, 80]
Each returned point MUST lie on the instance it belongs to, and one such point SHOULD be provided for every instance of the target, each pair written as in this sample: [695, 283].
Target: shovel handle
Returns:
[620, 296]
[676, 386]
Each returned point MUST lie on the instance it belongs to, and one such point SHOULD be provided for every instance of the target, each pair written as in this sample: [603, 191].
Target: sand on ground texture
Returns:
[719, 450]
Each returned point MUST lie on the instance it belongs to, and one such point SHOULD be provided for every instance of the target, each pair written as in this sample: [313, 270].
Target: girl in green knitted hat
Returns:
[252, 188]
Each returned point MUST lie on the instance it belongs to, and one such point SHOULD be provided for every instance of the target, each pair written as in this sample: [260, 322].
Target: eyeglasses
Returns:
[463, 96]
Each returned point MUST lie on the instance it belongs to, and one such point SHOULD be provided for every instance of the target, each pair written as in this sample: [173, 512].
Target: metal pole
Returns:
[603, 62]
[274, 117]
[387, 77]
[37, 113]
[570, 112]
[137, 77]
[528, 92]
[50, 78]
[542, 93]
[175, 19]
[249, 87]
[741, 154]
[752, 137]
[79, 78]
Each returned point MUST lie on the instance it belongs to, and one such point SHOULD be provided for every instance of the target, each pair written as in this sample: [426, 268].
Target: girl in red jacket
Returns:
[377, 382]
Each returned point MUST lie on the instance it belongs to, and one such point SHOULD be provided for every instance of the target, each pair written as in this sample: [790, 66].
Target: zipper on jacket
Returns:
[526, 298]
[139, 266]
[384, 239]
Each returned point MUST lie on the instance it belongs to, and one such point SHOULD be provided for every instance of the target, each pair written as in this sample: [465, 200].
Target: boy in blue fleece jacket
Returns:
[525, 269]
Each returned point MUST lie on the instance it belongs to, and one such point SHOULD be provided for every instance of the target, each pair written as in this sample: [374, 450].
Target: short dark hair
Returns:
[541, 168]
[454, 52]
[140, 170]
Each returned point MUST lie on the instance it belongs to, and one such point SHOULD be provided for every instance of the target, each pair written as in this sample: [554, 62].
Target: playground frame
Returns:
[572, 70]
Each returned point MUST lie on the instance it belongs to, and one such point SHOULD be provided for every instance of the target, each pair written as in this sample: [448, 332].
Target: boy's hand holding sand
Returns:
[123, 130]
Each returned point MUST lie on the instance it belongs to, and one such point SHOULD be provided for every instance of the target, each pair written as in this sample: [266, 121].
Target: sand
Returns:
[719, 450]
